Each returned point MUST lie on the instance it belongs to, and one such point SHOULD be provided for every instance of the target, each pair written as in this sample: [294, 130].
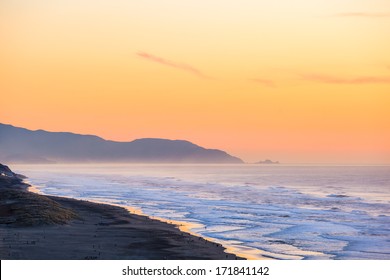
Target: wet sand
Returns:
[34, 227]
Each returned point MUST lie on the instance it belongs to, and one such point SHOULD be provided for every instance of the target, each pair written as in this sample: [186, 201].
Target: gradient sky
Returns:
[295, 81]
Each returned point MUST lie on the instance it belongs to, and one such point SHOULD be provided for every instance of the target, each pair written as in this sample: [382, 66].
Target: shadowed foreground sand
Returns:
[36, 227]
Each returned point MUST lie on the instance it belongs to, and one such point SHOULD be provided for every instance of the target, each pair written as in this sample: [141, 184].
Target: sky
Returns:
[294, 81]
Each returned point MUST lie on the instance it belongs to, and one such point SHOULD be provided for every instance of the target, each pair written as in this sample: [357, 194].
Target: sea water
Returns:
[272, 211]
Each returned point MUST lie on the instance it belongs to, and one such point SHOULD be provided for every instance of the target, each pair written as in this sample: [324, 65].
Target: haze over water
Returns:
[283, 212]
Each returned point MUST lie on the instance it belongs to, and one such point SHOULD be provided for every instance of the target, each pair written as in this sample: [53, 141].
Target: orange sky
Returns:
[295, 81]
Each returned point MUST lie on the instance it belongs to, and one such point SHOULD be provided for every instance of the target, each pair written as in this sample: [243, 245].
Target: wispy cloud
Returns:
[363, 15]
[264, 82]
[342, 80]
[179, 66]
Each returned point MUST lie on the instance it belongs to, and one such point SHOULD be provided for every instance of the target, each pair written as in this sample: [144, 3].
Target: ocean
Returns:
[257, 211]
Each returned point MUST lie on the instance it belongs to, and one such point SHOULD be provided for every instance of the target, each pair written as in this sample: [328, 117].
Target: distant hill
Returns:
[20, 145]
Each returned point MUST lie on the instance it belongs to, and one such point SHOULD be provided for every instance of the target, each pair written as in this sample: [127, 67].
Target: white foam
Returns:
[289, 213]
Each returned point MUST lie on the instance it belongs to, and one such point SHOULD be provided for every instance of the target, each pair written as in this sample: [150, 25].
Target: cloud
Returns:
[363, 15]
[180, 66]
[341, 80]
[264, 82]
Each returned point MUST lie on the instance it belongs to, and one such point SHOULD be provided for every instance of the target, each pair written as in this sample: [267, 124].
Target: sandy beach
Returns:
[34, 227]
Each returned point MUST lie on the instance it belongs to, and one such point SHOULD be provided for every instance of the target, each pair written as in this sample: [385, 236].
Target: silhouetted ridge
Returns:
[40, 146]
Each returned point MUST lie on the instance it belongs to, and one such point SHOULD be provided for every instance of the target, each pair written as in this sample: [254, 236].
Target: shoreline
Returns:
[55, 228]
[234, 247]
[185, 227]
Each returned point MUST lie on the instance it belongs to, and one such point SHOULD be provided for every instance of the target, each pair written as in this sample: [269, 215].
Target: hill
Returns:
[20, 145]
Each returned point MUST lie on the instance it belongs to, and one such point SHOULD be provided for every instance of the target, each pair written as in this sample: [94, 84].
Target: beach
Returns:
[34, 227]
[255, 211]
